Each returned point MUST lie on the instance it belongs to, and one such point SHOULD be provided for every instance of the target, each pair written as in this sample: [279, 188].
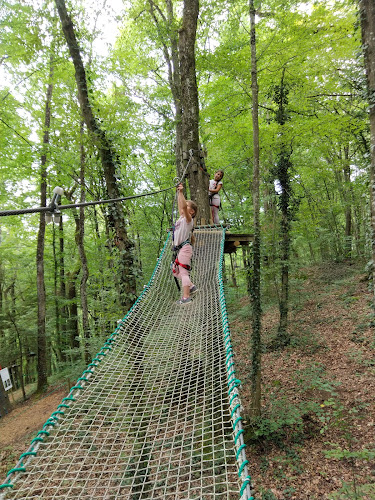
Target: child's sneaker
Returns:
[193, 289]
[184, 300]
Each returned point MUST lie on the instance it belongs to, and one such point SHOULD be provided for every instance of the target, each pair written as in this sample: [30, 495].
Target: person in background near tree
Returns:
[183, 240]
[213, 192]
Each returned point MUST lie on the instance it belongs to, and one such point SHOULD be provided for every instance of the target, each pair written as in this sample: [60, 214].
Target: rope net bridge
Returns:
[156, 414]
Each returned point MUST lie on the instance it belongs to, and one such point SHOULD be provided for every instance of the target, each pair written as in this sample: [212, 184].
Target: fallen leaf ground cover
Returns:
[318, 409]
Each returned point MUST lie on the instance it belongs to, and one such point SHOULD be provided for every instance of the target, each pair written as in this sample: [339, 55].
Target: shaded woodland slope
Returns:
[317, 438]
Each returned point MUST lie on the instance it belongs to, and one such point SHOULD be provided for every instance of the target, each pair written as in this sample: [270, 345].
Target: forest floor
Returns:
[318, 439]
[318, 408]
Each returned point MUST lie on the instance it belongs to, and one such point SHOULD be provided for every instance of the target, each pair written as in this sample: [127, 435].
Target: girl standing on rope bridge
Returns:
[213, 193]
[182, 244]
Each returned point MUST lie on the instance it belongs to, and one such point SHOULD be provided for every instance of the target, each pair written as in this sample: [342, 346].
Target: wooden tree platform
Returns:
[233, 241]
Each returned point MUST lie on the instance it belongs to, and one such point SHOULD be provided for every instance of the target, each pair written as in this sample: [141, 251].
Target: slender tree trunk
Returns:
[73, 327]
[175, 84]
[20, 345]
[42, 363]
[344, 187]
[169, 24]
[62, 287]
[197, 175]
[255, 285]
[58, 343]
[246, 259]
[12, 314]
[83, 258]
[367, 16]
[2, 279]
[284, 178]
[109, 162]
[82, 265]
[233, 269]
[5, 406]
[348, 214]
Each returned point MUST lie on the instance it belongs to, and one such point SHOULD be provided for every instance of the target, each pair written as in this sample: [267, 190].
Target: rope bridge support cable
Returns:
[156, 414]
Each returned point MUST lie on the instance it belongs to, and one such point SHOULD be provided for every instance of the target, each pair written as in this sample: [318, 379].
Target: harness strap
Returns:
[185, 266]
[178, 247]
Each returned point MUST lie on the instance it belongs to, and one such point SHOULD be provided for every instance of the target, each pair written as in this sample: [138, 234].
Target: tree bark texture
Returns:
[5, 406]
[367, 16]
[255, 281]
[348, 205]
[284, 179]
[41, 290]
[12, 319]
[80, 237]
[168, 24]
[109, 162]
[73, 326]
[283, 176]
[2, 280]
[57, 342]
[62, 287]
[197, 174]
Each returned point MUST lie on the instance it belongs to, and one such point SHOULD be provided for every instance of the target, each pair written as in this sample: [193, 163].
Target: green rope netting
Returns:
[156, 414]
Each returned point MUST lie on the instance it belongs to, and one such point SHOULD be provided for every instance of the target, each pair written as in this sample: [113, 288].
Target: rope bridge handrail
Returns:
[156, 414]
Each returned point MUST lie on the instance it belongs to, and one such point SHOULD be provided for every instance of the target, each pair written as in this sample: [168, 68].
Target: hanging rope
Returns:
[156, 414]
[174, 215]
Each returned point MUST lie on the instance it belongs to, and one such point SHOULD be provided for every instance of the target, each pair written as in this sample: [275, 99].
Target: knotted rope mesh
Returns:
[156, 415]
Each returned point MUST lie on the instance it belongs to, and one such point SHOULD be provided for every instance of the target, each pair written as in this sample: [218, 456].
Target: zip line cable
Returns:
[77, 205]
[54, 207]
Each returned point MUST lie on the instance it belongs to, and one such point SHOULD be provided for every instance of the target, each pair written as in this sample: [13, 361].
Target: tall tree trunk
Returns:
[81, 266]
[73, 327]
[180, 59]
[169, 24]
[12, 316]
[42, 363]
[343, 183]
[109, 162]
[255, 281]
[233, 269]
[12, 319]
[58, 343]
[367, 16]
[176, 88]
[2, 279]
[5, 406]
[83, 258]
[348, 205]
[283, 176]
[197, 174]
[62, 285]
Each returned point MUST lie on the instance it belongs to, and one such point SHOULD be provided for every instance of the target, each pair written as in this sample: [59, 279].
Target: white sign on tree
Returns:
[5, 377]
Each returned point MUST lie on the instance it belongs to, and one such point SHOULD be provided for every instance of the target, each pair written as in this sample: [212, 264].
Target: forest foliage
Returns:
[311, 50]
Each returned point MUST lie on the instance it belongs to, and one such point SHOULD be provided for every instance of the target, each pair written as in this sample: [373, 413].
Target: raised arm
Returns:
[182, 205]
